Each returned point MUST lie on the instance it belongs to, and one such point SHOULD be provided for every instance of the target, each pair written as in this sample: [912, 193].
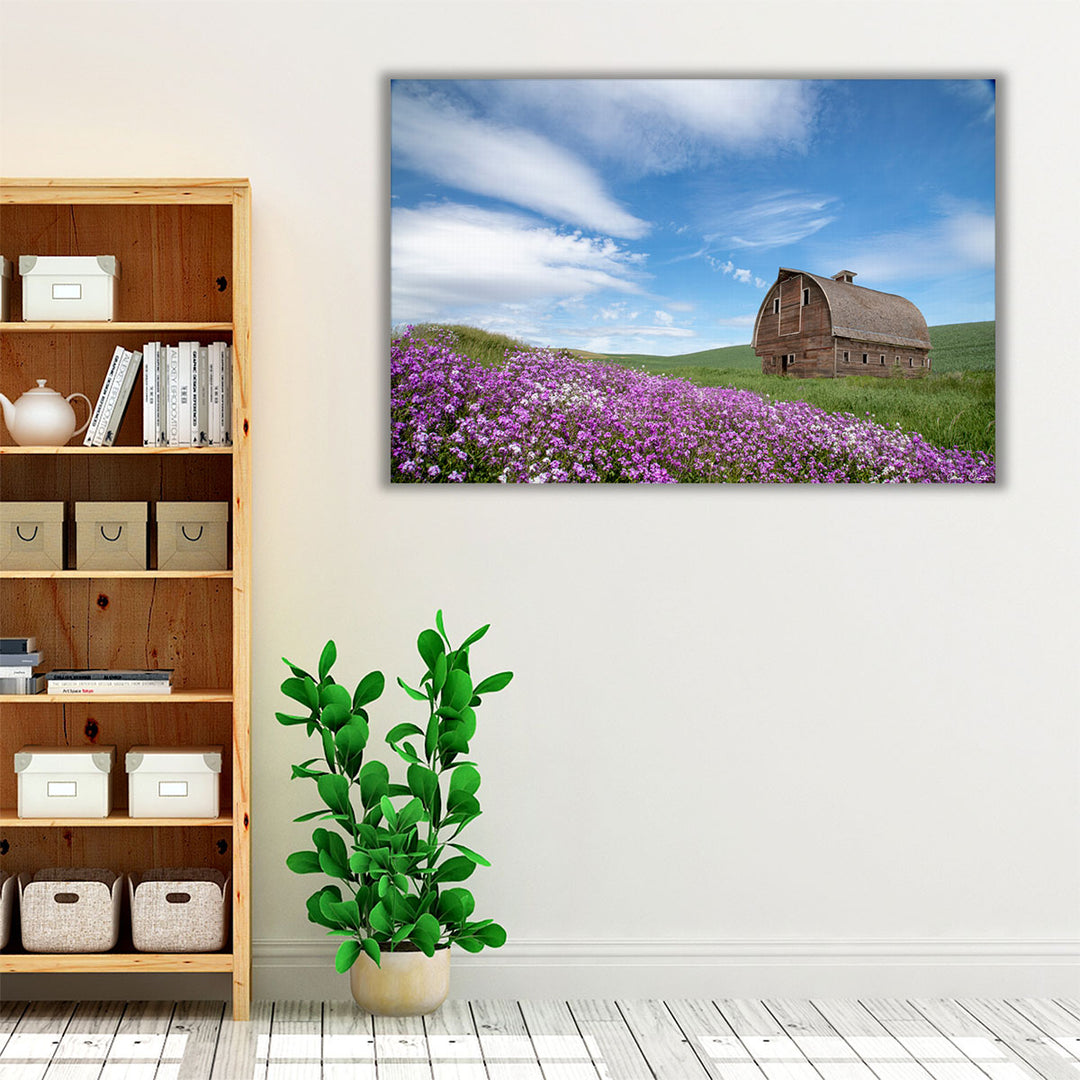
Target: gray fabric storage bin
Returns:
[7, 907]
[65, 910]
[179, 910]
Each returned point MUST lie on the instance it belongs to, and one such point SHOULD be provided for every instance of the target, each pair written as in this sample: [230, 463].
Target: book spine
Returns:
[85, 688]
[184, 415]
[114, 392]
[172, 437]
[149, 420]
[123, 398]
[95, 416]
[18, 645]
[226, 394]
[20, 671]
[213, 387]
[162, 421]
[203, 396]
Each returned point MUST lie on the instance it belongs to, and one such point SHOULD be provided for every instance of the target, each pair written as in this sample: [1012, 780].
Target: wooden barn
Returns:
[818, 327]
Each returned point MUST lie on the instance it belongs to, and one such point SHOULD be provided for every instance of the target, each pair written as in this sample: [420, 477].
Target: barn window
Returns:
[898, 361]
[865, 357]
[847, 358]
[881, 359]
[909, 364]
[805, 297]
[776, 306]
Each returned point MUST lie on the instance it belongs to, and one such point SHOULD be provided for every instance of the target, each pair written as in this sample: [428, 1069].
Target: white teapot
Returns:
[42, 417]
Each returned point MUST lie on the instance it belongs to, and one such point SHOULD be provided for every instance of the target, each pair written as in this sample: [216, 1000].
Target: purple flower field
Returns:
[544, 417]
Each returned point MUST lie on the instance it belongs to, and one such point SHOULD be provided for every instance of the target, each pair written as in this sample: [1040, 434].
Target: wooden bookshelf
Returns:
[184, 249]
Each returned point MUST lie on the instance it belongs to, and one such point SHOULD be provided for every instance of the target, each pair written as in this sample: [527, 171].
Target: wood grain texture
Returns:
[87, 1041]
[610, 1042]
[663, 1043]
[242, 1046]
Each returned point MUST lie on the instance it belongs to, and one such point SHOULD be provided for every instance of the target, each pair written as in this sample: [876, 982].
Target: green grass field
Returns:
[953, 406]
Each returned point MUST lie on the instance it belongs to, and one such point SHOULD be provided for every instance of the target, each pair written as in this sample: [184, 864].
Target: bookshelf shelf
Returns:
[184, 246]
[11, 963]
[177, 697]
[114, 327]
[9, 818]
[105, 575]
[111, 451]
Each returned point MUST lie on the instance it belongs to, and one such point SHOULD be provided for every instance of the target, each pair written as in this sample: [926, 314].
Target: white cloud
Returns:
[784, 217]
[662, 125]
[663, 318]
[960, 240]
[431, 135]
[981, 93]
[742, 275]
[745, 276]
[738, 320]
[452, 258]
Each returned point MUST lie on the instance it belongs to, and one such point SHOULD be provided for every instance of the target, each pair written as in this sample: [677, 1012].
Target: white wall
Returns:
[747, 725]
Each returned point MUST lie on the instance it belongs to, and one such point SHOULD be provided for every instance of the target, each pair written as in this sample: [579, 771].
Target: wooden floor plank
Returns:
[243, 1045]
[139, 1041]
[30, 1048]
[1055, 1021]
[85, 1046]
[453, 1045]
[191, 1042]
[401, 1051]
[611, 1044]
[348, 1042]
[504, 1040]
[295, 1051]
[10, 1014]
[997, 1020]
[560, 1049]
[662, 1042]
[720, 1051]
[819, 1042]
[762, 1034]
[883, 1054]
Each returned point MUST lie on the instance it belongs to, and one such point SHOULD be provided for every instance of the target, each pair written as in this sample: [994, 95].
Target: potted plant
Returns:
[391, 846]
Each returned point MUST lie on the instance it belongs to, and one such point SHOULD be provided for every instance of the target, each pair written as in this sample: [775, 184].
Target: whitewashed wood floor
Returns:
[552, 1040]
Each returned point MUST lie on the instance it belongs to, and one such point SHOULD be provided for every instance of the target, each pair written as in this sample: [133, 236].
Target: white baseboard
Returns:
[841, 968]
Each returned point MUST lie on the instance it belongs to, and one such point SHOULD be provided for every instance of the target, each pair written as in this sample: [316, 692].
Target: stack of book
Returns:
[113, 400]
[187, 394]
[18, 658]
[110, 681]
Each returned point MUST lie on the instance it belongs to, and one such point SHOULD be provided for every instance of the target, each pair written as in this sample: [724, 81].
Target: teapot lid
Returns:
[41, 388]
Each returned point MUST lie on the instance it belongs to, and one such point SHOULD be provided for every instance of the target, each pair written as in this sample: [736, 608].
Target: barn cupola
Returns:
[846, 276]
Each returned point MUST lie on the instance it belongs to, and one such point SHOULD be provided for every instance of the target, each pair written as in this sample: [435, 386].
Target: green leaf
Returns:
[347, 955]
[379, 919]
[350, 742]
[465, 779]
[493, 935]
[461, 802]
[423, 783]
[438, 673]
[335, 714]
[457, 691]
[368, 689]
[399, 731]
[299, 672]
[333, 694]
[456, 869]
[311, 816]
[298, 690]
[416, 695]
[439, 624]
[374, 779]
[288, 721]
[475, 636]
[455, 906]
[469, 944]
[359, 861]
[314, 906]
[410, 813]
[431, 736]
[470, 854]
[303, 862]
[332, 867]
[334, 791]
[493, 683]
[326, 661]
[371, 947]
[389, 812]
[426, 933]
[430, 647]
[402, 932]
[327, 737]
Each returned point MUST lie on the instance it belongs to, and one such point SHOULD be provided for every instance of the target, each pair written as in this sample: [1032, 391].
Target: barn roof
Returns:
[868, 315]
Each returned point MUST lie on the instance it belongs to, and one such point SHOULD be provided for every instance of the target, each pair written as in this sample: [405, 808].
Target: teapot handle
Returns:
[89, 414]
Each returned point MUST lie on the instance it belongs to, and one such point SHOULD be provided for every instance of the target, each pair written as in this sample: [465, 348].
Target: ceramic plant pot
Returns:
[407, 984]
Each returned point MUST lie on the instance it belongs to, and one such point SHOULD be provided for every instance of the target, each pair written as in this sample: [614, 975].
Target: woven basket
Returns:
[65, 910]
[7, 906]
[179, 910]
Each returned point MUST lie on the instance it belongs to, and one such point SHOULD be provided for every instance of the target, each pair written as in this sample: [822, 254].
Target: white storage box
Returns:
[7, 907]
[62, 910]
[64, 782]
[31, 536]
[59, 288]
[110, 536]
[174, 781]
[192, 535]
[5, 289]
[179, 910]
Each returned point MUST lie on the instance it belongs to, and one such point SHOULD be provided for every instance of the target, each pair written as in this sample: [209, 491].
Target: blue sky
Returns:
[650, 215]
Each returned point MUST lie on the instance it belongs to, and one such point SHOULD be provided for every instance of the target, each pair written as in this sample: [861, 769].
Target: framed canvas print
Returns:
[692, 281]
